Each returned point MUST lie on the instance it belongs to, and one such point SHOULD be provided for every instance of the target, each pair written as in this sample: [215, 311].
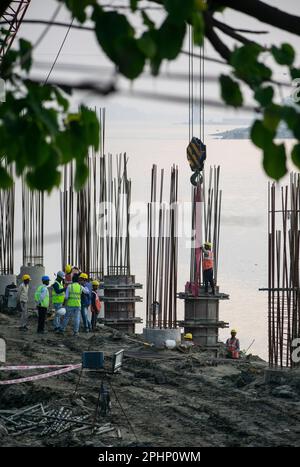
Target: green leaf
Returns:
[295, 73]
[81, 175]
[179, 10]
[170, 38]
[274, 161]
[292, 119]
[78, 7]
[61, 100]
[296, 155]
[147, 45]
[247, 67]
[5, 179]
[46, 176]
[116, 37]
[133, 5]
[272, 117]
[25, 54]
[230, 91]
[285, 55]
[91, 127]
[198, 28]
[260, 135]
[264, 95]
[147, 21]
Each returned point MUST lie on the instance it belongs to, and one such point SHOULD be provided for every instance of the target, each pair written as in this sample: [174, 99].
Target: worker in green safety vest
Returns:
[58, 298]
[41, 298]
[73, 304]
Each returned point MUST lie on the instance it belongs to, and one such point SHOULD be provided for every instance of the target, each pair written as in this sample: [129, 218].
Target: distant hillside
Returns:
[244, 133]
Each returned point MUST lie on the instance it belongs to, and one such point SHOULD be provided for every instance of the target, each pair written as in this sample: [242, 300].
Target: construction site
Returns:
[138, 311]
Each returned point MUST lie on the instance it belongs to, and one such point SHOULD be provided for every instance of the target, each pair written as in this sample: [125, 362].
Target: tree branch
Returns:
[263, 12]
[230, 32]
[214, 39]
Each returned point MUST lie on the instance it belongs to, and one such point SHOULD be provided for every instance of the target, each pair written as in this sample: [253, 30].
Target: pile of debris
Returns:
[49, 421]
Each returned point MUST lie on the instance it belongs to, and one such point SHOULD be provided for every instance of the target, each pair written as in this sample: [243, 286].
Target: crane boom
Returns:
[13, 16]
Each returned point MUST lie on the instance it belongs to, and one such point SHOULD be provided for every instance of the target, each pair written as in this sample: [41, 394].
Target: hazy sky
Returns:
[81, 48]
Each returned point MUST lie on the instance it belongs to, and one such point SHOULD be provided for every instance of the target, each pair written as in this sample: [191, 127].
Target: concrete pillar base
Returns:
[159, 336]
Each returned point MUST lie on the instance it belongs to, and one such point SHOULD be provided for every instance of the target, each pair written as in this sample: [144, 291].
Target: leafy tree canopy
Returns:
[39, 134]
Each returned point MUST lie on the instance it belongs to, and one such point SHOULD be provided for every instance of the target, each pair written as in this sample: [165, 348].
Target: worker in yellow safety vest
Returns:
[233, 346]
[208, 267]
[58, 298]
[41, 298]
[73, 305]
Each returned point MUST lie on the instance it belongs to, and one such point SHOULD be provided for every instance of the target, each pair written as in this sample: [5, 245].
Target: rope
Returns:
[59, 51]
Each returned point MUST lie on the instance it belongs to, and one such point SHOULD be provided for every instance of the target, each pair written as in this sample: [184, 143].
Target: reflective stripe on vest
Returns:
[58, 298]
[45, 302]
[208, 261]
[74, 298]
[232, 345]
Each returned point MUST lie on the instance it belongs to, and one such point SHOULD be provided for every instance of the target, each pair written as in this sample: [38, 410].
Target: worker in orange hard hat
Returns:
[233, 345]
[22, 301]
[208, 267]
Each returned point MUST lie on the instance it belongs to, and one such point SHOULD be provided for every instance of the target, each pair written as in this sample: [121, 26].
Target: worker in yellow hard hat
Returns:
[95, 304]
[208, 267]
[233, 345]
[86, 298]
[187, 342]
[22, 301]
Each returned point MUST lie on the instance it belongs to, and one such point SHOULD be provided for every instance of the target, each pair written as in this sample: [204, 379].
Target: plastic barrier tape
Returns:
[31, 367]
[42, 376]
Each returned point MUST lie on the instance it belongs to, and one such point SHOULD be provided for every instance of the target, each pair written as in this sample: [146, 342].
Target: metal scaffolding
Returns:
[13, 16]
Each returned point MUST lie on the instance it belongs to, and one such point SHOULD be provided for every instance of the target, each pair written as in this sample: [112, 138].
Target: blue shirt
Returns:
[86, 296]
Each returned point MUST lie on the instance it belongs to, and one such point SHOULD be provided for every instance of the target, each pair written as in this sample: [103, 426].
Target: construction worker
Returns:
[22, 301]
[41, 298]
[58, 298]
[208, 267]
[68, 274]
[73, 305]
[187, 342]
[95, 304]
[85, 301]
[233, 346]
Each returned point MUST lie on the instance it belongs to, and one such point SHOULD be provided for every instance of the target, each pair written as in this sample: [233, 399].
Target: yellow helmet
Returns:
[68, 268]
[95, 283]
[83, 275]
[188, 336]
[26, 277]
[208, 244]
[233, 331]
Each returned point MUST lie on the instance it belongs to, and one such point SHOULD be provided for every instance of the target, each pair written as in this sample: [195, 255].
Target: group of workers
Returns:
[72, 297]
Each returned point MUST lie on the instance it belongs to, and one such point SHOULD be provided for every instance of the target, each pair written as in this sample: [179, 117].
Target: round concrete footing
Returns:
[158, 336]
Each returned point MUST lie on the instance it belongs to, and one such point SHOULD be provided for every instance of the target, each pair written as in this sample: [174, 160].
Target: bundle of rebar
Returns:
[82, 240]
[7, 216]
[117, 214]
[283, 271]
[206, 217]
[33, 225]
[162, 253]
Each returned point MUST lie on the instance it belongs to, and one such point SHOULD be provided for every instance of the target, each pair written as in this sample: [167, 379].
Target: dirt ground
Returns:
[162, 398]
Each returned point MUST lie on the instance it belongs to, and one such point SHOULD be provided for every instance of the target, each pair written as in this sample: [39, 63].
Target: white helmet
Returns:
[61, 311]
